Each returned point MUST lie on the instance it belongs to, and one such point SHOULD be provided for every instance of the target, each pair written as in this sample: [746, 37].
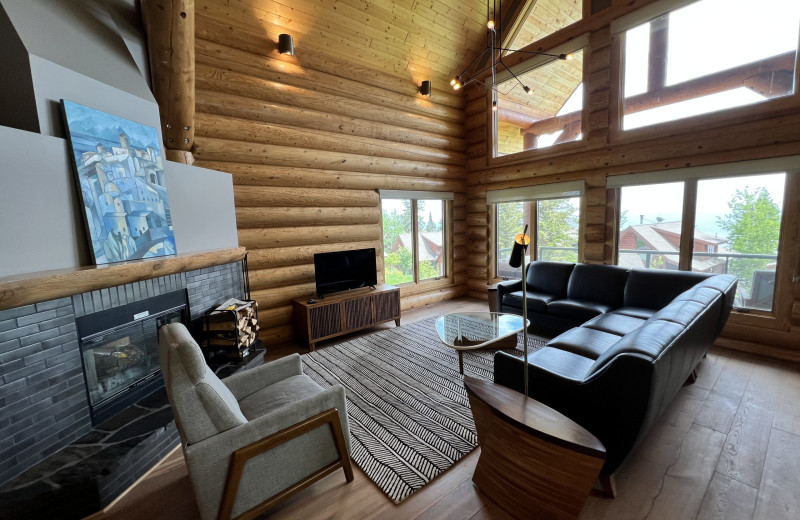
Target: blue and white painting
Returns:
[121, 179]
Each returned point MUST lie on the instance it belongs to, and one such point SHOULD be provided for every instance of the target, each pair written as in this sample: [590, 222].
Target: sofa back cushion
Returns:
[655, 288]
[598, 283]
[549, 277]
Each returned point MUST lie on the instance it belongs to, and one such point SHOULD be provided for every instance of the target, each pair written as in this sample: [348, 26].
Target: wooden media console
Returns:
[349, 311]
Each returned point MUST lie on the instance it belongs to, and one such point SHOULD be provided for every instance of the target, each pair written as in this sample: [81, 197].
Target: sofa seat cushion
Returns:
[562, 363]
[614, 323]
[537, 302]
[578, 310]
[636, 312]
[647, 342]
[284, 392]
[586, 342]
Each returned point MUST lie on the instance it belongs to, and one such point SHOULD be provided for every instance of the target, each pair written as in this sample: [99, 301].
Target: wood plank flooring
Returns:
[727, 448]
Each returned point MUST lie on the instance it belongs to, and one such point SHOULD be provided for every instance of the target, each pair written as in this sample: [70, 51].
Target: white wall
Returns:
[40, 220]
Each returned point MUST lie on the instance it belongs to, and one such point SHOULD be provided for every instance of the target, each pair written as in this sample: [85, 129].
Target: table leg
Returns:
[460, 363]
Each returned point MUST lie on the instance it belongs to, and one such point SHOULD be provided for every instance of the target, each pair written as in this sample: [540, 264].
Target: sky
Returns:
[713, 195]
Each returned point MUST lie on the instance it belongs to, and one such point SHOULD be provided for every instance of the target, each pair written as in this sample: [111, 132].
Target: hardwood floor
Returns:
[727, 448]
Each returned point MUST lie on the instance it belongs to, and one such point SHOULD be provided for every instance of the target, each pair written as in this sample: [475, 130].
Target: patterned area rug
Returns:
[409, 415]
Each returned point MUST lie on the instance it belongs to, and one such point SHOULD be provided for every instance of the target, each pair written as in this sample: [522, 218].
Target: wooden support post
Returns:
[170, 38]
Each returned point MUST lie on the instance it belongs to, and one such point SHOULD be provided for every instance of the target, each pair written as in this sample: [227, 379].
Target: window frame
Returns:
[577, 43]
[447, 236]
[783, 295]
[699, 122]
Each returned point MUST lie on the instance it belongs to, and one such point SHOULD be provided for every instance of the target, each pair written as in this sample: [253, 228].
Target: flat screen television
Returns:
[344, 270]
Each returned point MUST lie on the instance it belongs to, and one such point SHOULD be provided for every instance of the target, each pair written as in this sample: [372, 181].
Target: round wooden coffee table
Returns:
[475, 330]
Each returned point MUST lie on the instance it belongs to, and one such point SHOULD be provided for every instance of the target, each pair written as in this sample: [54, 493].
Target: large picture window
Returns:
[708, 56]
[414, 239]
[737, 229]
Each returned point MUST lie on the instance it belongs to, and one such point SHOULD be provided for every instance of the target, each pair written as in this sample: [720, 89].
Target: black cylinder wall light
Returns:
[425, 88]
[286, 44]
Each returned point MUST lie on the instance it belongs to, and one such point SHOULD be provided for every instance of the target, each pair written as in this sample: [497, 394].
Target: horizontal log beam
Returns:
[268, 196]
[281, 277]
[294, 74]
[266, 175]
[225, 104]
[25, 289]
[286, 256]
[303, 236]
[270, 217]
[237, 129]
[211, 149]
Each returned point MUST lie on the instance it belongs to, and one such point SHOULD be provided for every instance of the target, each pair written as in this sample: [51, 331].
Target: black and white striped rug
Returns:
[409, 415]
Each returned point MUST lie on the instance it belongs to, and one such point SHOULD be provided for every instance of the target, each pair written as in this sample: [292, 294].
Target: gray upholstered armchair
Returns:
[257, 437]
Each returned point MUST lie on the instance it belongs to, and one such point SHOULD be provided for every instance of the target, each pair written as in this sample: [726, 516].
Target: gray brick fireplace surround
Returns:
[43, 401]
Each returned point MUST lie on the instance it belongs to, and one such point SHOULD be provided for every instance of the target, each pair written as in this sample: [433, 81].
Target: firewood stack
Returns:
[232, 331]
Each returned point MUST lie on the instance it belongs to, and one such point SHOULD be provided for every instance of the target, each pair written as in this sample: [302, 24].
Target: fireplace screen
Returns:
[120, 359]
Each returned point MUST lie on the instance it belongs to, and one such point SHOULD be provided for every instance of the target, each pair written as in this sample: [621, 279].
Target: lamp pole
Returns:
[517, 259]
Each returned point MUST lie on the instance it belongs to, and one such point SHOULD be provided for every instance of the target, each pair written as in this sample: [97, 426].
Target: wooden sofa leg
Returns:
[691, 379]
[608, 487]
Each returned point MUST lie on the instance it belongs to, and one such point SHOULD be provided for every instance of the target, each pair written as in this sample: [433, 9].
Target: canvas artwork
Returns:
[120, 175]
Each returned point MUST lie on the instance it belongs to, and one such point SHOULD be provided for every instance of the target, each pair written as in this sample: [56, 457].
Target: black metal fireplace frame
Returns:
[99, 324]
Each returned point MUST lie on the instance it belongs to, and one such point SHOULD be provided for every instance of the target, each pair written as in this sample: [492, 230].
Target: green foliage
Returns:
[509, 223]
[394, 224]
[428, 270]
[752, 226]
[557, 227]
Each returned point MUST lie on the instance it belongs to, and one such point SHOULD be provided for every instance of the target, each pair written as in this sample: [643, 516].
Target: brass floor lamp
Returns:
[517, 259]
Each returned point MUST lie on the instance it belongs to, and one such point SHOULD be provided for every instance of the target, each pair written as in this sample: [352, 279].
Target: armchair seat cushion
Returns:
[586, 342]
[537, 301]
[278, 395]
[578, 310]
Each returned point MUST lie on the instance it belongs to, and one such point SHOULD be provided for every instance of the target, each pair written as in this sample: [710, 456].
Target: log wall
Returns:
[309, 140]
[755, 132]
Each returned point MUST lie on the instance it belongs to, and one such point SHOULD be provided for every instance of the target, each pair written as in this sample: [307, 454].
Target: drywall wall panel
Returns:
[40, 221]
[201, 203]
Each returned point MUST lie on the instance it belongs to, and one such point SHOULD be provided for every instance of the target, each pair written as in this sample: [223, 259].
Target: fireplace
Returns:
[119, 351]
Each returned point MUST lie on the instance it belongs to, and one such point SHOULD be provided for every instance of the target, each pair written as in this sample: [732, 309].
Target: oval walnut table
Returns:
[534, 462]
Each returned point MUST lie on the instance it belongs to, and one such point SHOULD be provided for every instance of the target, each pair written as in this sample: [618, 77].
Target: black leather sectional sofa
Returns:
[631, 339]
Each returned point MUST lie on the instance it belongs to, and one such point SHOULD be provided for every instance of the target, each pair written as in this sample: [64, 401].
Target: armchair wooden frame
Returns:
[240, 457]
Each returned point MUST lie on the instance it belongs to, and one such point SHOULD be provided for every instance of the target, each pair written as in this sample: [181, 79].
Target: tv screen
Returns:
[343, 270]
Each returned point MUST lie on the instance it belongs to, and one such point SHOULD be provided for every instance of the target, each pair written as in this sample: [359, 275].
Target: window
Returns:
[552, 225]
[549, 113]
[709, 56]
[650, 226]
[737, 227]
[741, 217]
[414, 237]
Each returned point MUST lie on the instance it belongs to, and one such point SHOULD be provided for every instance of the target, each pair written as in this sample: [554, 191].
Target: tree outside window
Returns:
[414, 240]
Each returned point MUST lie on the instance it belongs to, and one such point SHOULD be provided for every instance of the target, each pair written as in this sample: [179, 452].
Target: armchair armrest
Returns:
[250, 381]
[209, 460]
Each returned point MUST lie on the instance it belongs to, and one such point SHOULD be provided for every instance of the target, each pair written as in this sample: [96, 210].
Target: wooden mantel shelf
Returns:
[24, 289]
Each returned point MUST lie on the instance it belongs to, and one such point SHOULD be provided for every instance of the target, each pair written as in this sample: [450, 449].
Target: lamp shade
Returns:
[286, 44]
[521, 242]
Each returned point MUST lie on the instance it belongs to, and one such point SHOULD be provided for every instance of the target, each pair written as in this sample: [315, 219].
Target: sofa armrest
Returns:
[250, 381]
[508, 287]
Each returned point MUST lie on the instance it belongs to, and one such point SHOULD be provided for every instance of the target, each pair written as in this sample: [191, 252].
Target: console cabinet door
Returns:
[325, 320]
[358, 313]
[387, 306]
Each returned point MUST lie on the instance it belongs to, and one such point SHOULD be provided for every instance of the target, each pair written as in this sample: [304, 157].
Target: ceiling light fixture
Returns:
[286, 44]
[495, 53]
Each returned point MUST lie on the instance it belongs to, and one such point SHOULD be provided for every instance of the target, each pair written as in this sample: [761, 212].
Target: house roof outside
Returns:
[653, 236]
[431, 245]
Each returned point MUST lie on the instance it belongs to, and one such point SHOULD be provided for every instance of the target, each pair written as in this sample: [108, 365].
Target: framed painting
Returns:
[120, 175]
